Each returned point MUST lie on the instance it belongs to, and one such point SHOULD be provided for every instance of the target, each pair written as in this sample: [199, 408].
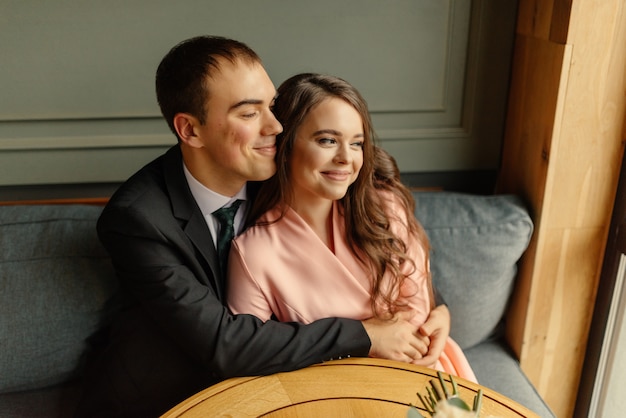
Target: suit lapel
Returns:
[185, 209]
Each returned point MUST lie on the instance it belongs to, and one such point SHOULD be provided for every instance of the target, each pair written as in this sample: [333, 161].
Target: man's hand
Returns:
[396, 339]
[437, 328]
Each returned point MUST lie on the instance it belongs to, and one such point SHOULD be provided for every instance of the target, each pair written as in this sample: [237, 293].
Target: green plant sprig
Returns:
[438, 391]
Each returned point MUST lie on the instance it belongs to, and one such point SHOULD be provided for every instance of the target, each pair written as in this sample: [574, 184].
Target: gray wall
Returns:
[76, 79]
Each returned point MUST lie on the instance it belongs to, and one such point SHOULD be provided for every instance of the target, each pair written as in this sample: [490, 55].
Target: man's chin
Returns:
[264, 174]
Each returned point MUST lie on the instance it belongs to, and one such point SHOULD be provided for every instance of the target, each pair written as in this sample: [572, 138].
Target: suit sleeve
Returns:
[165, 276]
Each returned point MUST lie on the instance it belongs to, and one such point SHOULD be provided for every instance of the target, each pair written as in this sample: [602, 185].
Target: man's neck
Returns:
[218, 181]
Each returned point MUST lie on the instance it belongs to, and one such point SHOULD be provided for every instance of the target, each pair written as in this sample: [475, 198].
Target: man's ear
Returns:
[185, 125]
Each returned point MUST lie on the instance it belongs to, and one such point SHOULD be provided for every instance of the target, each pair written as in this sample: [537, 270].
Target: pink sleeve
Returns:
[245, 296]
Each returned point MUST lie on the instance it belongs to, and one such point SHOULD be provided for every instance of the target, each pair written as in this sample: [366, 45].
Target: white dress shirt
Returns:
[209, 201]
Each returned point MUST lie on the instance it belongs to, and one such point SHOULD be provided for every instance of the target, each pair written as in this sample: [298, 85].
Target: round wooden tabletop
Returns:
[355, 387]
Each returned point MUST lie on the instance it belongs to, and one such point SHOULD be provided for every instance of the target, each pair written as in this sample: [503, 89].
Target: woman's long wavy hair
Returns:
[387, 178]
[367, 225]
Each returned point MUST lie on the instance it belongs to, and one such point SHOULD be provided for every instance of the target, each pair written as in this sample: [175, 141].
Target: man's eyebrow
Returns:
[250, 102]
[246, 102]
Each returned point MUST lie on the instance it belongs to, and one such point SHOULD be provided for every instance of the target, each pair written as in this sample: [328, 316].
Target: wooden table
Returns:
[356, 387]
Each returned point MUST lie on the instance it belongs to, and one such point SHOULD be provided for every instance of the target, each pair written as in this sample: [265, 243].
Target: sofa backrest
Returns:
[476, 242]
[55, 281]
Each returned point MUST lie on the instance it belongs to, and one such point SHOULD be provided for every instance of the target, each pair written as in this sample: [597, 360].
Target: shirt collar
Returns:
[209, 201]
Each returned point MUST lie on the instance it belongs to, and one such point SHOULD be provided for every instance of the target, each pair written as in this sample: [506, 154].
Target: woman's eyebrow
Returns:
[335, 132]
[328, 131]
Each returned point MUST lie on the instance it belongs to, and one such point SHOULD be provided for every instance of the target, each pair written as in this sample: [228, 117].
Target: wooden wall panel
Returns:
[563, 148]
[529, 130]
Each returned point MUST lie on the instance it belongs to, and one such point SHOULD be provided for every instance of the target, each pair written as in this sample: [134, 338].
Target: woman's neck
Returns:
[318, 217]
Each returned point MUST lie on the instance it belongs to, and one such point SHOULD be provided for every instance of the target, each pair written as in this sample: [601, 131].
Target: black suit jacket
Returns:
[174, 336]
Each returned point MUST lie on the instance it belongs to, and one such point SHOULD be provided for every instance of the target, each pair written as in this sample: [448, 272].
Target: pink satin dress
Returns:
[285, 269]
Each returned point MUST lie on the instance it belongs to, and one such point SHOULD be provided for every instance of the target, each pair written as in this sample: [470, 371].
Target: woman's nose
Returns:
[343, 154]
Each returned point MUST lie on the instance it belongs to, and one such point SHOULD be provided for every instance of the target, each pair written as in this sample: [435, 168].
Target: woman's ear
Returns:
[185, 125]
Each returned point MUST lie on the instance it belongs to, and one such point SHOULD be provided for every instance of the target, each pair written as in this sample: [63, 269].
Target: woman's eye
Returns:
[357, 144]
[326, 141]
[249, 115]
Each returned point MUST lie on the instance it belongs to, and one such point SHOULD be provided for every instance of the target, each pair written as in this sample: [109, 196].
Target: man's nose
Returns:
[272, 125]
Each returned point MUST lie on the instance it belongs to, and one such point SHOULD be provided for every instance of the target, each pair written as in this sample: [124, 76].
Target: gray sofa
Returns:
[56, 282]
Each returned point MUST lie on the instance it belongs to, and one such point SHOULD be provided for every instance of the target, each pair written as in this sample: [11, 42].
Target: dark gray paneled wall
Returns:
[76, 78]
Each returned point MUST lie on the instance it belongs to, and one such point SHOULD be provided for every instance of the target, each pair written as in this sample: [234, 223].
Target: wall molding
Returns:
[427, 69]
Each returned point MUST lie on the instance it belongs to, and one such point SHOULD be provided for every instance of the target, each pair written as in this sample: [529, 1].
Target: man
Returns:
[174, 336]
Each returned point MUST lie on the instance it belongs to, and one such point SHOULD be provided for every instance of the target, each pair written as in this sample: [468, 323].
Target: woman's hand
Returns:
[396, 339]
[437, 329]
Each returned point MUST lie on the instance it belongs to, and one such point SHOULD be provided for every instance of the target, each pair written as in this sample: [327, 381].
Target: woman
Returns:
[336, 219]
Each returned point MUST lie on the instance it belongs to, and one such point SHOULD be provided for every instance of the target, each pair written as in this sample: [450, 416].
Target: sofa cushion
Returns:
[58, 401]
[476, 242]
[496, 368]
[55, 280]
